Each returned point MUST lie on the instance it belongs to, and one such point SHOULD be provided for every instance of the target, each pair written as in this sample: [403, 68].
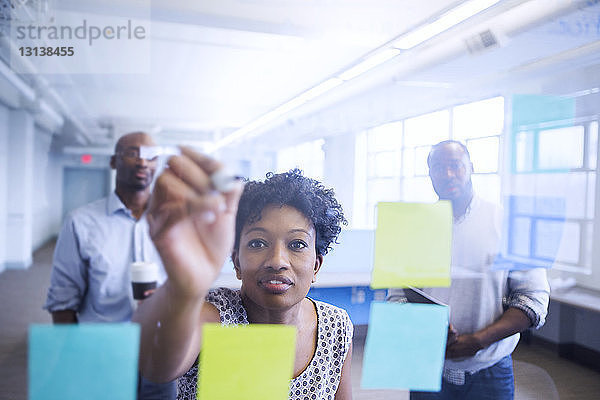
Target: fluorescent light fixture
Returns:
[368, 63]
[411, 39]
[264, 119]
[446, 21]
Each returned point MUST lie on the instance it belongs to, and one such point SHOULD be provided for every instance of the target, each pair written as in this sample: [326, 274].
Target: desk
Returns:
[572, 325]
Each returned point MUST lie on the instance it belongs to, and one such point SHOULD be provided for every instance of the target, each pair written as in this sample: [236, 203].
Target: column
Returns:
[19, 225]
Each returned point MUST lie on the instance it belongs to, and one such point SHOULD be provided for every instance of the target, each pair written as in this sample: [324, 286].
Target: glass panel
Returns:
[408, 162]
[593, 144]
[427, 129]
[591, 194]
[550, 207]
[484, 154]
[418, 189]
[561, 148]
[570, 244]
[387, 164]
[554, 235]
[576, 195]
[385, 189]
[308, 156]
[522, 204]
[487, 186]
[481, 118]
[420, 161]
[359, 218]
[524, 151]
[385, 137]
[520, 232]
[588, 239]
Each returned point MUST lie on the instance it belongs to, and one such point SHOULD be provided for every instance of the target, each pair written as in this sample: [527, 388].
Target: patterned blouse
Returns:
[321, 377]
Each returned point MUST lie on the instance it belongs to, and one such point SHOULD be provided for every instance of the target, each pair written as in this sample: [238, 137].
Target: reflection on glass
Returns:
[548, 239]
[385, 137]
[477, 119]
[561, 148]
[484, 154]
[387, 164]
[427, 129]
[592, 144]
[408, 162]
[520, 236]
[308, 156]
[421, 154]
[523, 151]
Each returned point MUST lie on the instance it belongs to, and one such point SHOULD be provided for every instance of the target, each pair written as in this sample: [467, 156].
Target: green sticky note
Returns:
[251, 362]
[83, 361]
[412, 245]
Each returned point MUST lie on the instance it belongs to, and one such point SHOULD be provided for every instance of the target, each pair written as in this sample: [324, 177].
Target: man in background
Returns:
[489, 306]
[90, 279]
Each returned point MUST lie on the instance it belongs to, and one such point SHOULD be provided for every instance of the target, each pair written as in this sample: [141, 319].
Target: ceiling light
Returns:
[368, 63]
[446, 21]
[279, 111]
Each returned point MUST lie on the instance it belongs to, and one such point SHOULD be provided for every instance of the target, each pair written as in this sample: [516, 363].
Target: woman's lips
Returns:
[275, 285]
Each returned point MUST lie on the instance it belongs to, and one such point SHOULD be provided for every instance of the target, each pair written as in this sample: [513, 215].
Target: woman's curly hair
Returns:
[291, 188]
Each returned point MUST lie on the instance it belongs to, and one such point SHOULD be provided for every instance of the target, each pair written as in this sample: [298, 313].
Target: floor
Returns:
[539, 373]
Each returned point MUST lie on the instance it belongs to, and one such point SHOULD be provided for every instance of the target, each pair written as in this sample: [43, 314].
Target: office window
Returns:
[395, 155]
[478, 119]
[309, 157]
[551, 209]
[384, 166]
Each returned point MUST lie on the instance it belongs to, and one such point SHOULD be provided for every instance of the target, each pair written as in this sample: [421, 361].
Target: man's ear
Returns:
[472, 169]
[318, 264]
[235, 259]
[113, 162]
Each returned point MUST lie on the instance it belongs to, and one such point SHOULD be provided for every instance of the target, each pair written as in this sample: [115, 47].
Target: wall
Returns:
[47, 193]
[4, 113]
[30, 188]
[339, 170]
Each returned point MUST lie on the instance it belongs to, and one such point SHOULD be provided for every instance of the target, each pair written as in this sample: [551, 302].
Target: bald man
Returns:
[90, 279]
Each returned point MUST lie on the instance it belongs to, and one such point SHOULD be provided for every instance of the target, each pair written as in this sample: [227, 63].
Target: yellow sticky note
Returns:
[249, 362]
[412, 245]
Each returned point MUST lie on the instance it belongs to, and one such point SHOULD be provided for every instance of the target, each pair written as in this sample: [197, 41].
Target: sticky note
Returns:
[412, 245]
[83, 361]
[405, 347]
[251, 362]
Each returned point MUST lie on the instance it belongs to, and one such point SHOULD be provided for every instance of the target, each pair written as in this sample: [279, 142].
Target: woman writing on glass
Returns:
[279, 235]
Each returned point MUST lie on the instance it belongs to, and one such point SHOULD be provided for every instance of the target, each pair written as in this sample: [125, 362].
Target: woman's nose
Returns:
[278, 257]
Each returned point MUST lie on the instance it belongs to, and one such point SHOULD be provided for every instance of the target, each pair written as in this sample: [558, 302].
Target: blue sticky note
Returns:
[83, 361]
[405, 347]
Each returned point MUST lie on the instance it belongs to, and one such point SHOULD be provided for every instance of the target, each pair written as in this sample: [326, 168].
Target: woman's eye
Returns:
[256, 244]
[297, 245]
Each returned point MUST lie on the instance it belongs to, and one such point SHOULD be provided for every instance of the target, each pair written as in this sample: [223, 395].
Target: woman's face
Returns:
[276, 259]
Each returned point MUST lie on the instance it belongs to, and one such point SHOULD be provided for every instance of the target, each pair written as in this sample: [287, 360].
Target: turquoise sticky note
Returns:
[405, 347]
[83, 361]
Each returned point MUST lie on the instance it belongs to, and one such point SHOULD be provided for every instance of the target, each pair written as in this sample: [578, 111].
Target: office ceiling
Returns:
[215, 66]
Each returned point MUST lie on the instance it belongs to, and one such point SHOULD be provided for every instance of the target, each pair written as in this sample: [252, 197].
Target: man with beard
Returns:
[489, 306]
[90, 279]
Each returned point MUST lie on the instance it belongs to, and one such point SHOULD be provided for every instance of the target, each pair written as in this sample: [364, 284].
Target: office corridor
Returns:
[540, 374]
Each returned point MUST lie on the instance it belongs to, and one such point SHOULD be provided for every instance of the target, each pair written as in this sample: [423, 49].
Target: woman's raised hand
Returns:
[192, 225]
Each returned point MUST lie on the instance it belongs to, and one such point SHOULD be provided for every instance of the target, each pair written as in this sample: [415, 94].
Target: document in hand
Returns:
[416, 295]
[412, 245]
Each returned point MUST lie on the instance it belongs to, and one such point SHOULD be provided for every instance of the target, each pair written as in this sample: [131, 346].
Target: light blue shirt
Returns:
[91, 266]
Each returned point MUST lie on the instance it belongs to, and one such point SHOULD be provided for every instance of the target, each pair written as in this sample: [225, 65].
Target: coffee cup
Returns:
[144, 277]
